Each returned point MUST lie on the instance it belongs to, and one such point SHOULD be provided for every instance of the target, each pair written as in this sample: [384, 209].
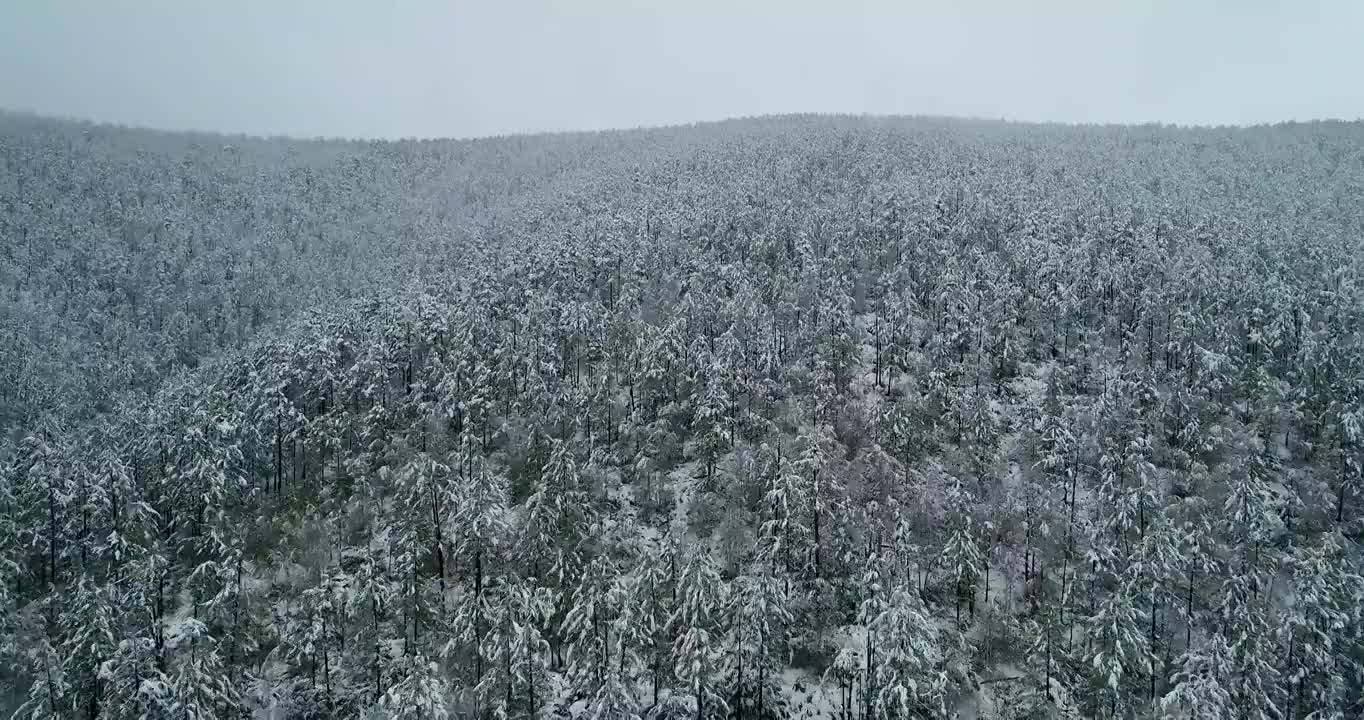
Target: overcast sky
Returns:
[465, 68]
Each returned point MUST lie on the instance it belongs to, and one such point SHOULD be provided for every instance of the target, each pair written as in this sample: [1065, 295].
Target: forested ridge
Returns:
[129, 254]
[795, 417]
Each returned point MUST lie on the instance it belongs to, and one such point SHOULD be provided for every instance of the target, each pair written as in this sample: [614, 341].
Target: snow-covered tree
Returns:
[907, 675]
[759, 633]
[697, 625]
[197, 683]
[422, 693]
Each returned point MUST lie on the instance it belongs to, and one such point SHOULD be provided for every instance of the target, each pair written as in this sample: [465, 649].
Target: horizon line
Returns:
[680, 125]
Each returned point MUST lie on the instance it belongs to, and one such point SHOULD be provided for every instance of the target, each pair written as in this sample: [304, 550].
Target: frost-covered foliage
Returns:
[784, 417]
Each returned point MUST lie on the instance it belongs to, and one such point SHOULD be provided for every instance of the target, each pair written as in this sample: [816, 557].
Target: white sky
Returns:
[463, 68]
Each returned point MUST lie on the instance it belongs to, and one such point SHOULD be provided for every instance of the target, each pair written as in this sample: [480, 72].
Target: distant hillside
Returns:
[130, 253]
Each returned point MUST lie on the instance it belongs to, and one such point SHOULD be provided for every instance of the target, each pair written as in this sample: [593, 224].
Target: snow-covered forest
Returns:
[789, 417]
